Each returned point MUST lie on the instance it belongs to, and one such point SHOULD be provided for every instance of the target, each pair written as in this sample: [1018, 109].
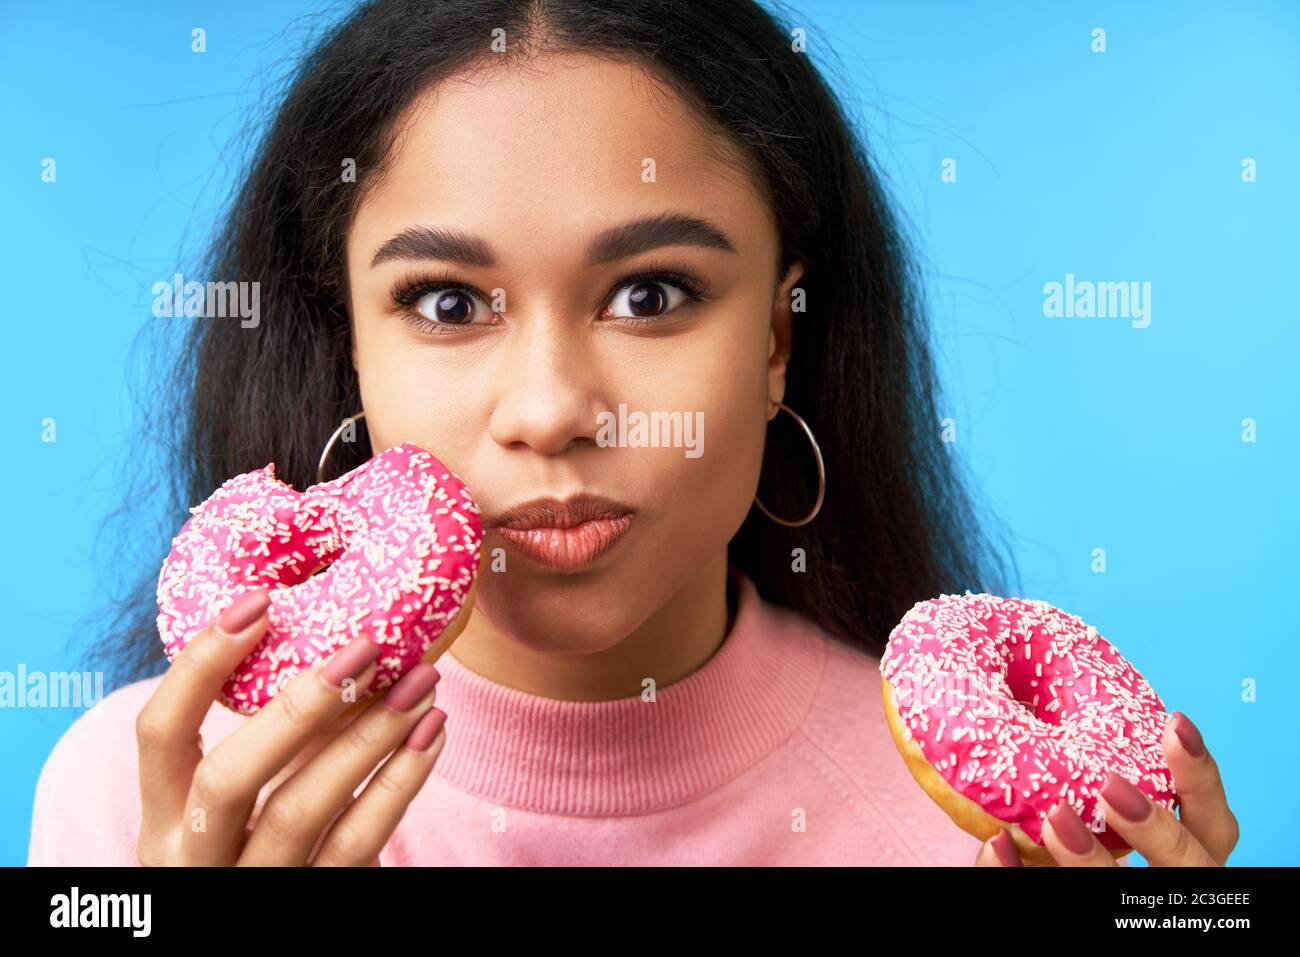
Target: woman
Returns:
[488, 226]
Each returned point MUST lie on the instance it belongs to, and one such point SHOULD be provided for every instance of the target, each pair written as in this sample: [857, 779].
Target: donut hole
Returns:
[1047, 689]
[319, 560]
[1024, 686]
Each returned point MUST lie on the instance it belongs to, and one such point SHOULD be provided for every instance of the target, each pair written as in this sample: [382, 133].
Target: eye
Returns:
[451, 307]
[648, 296]
[441, 305]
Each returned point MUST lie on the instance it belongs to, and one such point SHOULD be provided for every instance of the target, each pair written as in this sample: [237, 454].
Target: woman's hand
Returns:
[1203, 836]
[315, 742]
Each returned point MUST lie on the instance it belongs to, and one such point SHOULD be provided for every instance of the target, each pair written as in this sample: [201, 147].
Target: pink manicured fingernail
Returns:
[1125, 798]
[1188, 735]
[351, 661]
[412, 686]
[1069, 827]
[245, 610]
[426, 730]
[1005, 848]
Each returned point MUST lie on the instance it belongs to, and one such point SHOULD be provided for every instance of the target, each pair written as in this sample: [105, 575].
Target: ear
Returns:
[781, 337]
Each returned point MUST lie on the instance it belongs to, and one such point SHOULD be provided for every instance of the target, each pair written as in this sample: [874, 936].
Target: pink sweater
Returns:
[775, 751]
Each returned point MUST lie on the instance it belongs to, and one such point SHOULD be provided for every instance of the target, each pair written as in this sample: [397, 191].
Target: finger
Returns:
[300, 810]
[1150, 829]
[1202, 803]
[167, 728]
[1071, 842]
[999, 851]
[340, 722]
[331, 727]
[366, 827]
[431, 654]
[227, 782]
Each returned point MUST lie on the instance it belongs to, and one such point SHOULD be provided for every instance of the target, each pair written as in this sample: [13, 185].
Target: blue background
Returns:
[1083, 433]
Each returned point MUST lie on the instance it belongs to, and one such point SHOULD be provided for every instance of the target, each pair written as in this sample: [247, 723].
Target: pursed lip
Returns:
[567, 534]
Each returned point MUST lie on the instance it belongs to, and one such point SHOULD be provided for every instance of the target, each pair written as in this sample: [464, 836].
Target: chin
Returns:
[561, 614]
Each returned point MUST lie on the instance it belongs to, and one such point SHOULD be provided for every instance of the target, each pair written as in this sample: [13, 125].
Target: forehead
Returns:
[568, 144]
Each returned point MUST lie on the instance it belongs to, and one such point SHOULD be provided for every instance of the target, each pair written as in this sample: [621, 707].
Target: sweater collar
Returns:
[629, 756]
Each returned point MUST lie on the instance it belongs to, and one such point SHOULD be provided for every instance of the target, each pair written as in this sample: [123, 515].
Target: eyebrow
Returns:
[638, 235]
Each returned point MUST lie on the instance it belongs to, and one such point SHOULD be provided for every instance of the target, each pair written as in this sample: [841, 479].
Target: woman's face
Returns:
[520, 187]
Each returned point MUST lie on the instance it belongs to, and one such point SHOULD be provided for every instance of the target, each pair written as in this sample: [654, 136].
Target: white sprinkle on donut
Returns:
[1065, 712]
[393, 571]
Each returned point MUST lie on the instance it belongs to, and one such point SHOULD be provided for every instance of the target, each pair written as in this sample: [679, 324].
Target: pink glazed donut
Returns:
[1002, 706]
[400, 535]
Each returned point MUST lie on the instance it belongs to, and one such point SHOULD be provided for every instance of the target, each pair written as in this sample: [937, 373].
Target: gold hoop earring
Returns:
[329, 446]
[821, 476]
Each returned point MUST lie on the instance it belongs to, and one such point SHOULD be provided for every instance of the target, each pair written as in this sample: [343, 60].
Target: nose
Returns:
[549, 388]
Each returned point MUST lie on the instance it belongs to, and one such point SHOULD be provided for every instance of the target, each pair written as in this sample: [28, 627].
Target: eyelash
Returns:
[407, 292]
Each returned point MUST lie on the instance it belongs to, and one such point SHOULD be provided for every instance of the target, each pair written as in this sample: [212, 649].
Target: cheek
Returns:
[704, 492]
[413, 394]
[712, 485]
